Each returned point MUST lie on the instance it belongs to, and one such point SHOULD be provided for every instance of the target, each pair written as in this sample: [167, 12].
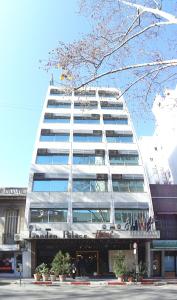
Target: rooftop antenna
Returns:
[51, 80]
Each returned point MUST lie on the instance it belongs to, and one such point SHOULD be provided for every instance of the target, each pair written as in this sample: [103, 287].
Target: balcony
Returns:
[8, 239]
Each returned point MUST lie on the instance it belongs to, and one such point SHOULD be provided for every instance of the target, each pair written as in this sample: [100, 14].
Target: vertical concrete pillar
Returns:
[26, 261]
[163, 263]
[148, 258]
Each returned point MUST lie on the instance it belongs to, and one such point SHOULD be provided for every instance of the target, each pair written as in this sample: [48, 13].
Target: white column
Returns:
[26, 261]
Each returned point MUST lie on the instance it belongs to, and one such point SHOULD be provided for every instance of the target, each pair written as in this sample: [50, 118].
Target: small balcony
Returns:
[8, 239]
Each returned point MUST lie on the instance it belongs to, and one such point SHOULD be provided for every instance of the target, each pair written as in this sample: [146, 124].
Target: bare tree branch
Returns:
[137, 66]
[156, 11]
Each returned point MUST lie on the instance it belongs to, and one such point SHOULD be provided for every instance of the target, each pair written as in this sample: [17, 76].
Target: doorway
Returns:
[89, 261]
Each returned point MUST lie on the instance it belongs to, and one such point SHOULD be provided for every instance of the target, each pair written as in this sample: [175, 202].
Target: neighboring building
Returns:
[12, 216]
[164, 251]
[87, 194]
[159, 151]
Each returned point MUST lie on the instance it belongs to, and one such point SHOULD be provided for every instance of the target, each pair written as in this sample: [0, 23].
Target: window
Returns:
[56, 119]
[132, 219]
[11, 223]
[54, 137]
[48, 215]
[117, 158]
[85, 93]
[52, 159]
[91, 215]
[58, 104]
[59, 92]
[128, 185]
[88, 137]
[111, 105]
[88, 159]
[114, 120]
[90, 185]
[113, 137]
[86, 105]
[50, 185]
[87, 120]
[106, 94]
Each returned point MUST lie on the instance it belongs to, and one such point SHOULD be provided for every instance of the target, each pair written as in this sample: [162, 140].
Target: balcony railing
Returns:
[8, 239]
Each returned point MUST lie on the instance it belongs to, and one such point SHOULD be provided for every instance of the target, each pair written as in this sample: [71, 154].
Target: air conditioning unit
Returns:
[104, 226]
[17, 237]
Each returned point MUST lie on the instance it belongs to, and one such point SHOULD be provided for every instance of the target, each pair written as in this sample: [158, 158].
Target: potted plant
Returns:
[142, 270]
[53, 274]
[44, 271]
[119, 266]
[37, 274]
[61, 264]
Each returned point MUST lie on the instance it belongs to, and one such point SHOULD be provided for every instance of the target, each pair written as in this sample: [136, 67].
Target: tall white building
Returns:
[159, 151]
[87, 194]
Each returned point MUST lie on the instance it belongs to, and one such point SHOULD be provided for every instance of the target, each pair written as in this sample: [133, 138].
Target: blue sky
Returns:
[29, 29]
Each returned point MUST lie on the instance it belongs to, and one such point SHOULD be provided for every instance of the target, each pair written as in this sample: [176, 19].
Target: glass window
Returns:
[125, 185]
[57, 104]
[91, 215]
[48, 215]
[90, 185]
[131, 219]
[86, 105]
[55, 137]
[115, 120]
[119, 138]
[50, 185]
[87, 137]
[87, 159]
[57, 120]
[52, 159]
[109, 105]
[86, 120]
[123, 159]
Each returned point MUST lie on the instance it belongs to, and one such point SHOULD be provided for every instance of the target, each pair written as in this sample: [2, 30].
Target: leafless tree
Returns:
[133, 42]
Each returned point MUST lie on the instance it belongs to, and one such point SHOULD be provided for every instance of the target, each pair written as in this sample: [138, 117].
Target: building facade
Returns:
[87, 194]
[164, 251]
[159, 151]
[12, 217]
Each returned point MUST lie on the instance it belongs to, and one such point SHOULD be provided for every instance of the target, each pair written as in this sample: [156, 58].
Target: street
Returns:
[30, 292]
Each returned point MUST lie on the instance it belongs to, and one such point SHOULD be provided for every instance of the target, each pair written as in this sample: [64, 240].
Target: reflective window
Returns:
[88, 159]
[85, 93]
[54, 137]
[60, 92]
[55, 119]
[86, 137]
[90, 185]
[58, 104]
[109, 105]
[86, 105]
[132, 219]
[123, 159]
[52, 159]
[119, 138]
[128, 185]
[45, 215]
[115, 121]
[50, 185]
[86, 120]
[91, 215]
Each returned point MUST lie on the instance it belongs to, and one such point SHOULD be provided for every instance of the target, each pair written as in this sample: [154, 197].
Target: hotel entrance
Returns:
[88, 262]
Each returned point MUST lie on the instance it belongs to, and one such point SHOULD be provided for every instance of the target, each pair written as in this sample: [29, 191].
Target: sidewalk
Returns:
[86, 281]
